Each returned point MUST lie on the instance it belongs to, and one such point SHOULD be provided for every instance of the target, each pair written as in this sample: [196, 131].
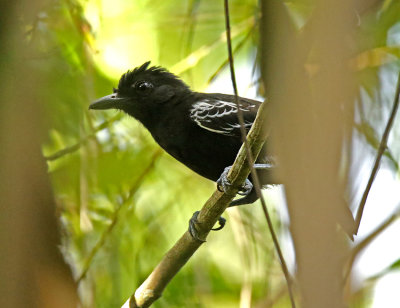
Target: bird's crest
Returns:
[155, 74]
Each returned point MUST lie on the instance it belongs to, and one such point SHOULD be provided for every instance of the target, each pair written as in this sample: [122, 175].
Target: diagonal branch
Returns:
[192, 59]
[355, 252]
[76, 146]
[381, 150]
[235, 51]
[115, 217]
[152, 288]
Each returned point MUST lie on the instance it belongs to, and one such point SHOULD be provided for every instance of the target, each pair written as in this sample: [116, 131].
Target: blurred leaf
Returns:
[370, 135]
[192, 59]
[395, 265]
[375, 57]
[299, 11]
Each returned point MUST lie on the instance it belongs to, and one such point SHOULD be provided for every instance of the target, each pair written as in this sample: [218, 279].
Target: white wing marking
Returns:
[204, 112]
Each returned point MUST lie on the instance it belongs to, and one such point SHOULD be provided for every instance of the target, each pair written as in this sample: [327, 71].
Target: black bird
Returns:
[201, 130]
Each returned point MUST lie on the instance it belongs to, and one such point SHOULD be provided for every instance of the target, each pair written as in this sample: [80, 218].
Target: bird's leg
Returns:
[223, 184]
[246, 190]
[193, 222]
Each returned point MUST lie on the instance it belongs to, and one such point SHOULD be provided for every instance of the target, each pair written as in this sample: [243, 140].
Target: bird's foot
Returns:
[193, 222]
[223, 184]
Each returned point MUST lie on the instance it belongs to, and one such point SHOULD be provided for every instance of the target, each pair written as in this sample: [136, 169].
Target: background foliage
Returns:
[123, 202]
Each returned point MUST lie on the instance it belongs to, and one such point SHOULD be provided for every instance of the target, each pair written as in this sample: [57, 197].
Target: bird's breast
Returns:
[207, 153]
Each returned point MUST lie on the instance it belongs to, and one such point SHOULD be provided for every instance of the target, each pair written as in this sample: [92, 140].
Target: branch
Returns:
[152, 288]
[235, 51]
[250, 158]
[192, 59]
[114, 220]
[76, 146]
[381, 150]
[366, 241]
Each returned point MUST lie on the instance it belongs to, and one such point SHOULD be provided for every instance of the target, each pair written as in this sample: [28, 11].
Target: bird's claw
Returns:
[221, 221]
[223, 183]
[193, 222]
[192, 227]
[246, 188]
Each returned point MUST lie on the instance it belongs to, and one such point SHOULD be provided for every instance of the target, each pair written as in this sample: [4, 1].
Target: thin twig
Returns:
[235, 50]
[152, 288]
[192, 59]
[115, 217]
[250, 158]
[76, 146]
[370, 136]
[366, 241]
[381, 150]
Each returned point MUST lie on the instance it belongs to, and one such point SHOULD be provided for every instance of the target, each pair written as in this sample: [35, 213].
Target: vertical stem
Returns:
[250, 158]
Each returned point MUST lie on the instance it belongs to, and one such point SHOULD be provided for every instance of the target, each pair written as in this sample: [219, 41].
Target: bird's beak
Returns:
[107, 102]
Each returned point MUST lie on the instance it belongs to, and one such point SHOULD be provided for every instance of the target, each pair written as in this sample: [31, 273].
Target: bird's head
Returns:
[142, 88]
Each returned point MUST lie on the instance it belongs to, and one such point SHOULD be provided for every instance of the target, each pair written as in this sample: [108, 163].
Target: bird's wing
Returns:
[218, 114]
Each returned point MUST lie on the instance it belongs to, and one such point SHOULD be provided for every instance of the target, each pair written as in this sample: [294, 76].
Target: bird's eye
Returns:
[143, 86]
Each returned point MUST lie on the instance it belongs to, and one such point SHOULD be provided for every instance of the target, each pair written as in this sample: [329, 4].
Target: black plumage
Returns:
[201, 130]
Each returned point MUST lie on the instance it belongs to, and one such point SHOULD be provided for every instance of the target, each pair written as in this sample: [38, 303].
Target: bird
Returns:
[200, 130]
